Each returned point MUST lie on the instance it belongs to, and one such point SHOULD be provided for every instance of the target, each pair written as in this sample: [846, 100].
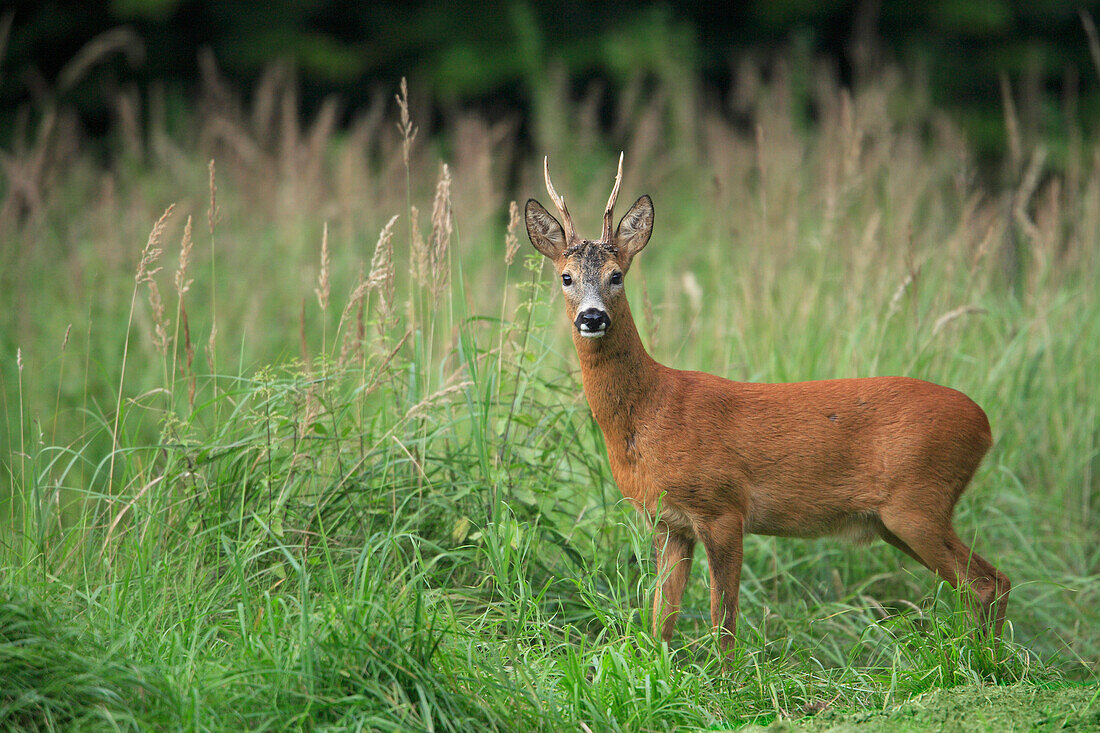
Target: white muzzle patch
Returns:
[590, 333]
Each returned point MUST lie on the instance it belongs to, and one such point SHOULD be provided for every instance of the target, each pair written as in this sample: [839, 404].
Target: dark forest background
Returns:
[493, 55]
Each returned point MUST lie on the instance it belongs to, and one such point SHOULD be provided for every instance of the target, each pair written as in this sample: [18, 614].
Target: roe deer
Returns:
[885, 456]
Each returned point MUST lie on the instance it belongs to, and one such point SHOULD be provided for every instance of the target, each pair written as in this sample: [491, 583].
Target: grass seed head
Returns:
[951, 315]
[182, 283]
[362, 286]
[442, 227]
[511, 238]
[122, 40]
[1012, 123]
[323, 287]
[419, 254]
[381, 275]
[352, 340]
[212, 212]
[152, 251]
[211, 344]
[160, 324]
[406, 127]
[189, 351]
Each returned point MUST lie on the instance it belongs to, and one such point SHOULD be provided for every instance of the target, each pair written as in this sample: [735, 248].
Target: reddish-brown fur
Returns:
[710, 459]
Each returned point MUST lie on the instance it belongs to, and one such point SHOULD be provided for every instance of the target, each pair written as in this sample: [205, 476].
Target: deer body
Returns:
[708, 459]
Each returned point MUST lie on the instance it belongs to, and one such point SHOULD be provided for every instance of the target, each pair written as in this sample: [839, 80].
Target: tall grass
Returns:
[345, 475]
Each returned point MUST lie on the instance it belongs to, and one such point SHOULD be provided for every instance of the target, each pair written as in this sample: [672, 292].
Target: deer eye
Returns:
[566, 279]
[616, 278]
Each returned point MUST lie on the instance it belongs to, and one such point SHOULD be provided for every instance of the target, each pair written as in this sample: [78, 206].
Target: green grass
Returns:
[420, 532]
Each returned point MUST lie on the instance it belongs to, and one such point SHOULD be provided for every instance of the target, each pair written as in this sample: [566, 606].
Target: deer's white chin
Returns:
[592, 334]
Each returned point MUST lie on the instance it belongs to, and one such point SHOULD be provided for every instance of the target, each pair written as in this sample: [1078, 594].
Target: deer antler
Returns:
[559, 202]
[611, 202]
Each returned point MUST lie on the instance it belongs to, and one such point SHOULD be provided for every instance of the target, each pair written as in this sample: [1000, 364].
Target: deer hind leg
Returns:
[936, 546]
[897, 542]
[722, 540]
[674, 554]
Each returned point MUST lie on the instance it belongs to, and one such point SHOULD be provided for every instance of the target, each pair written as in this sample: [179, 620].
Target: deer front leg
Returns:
[674, 553]
[722, 540]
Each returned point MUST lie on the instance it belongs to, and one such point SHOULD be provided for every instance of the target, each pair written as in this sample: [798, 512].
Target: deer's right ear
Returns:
[545, 232]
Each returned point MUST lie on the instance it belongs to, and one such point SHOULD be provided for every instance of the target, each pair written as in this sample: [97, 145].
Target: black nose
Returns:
[592, 320]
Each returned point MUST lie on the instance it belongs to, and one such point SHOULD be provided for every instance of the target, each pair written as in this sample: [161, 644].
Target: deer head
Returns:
[591, 271]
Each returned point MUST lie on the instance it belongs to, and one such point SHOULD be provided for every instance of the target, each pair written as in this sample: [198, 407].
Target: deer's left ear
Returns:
[634, 229]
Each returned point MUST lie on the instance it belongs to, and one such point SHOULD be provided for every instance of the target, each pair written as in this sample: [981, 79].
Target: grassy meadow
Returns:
[293, 432]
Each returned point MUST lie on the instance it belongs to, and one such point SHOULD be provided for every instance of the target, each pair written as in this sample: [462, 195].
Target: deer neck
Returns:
[620, 378]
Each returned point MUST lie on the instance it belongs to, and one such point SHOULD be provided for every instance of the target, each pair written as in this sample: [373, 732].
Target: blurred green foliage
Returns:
[497, 53]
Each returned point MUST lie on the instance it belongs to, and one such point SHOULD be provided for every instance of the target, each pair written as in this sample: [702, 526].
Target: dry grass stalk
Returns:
[152, 251]
[1012, 124]
[122, 39]
[1050, 214]
[19, 359]
[1094, 42]
[693, 291]
[60, 374]
[317, 140]
[212, 212]
[127, 108]
[311, 410]
[909, 281]
[405, 127]
[211, 220]
[983, 248]
[122, 512]
[290, 133]
[145, 273]
[382, 272]
[442, 227]
[1026, 190]
[358, 293]
[380, 370]
[189, 352]
[211, 344]
[160, 324]
[946, 318]
[851, 135]
[182, 283]
[217, 100]
[352, 340]
[421, 406]
[26, 170]
[353, 175]
[272, 80]
[646, 141]
[511, 236]
[418, 258]
[361, 326]
[761, 169]
[228, 133]
[323, 286]
[481, 151]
